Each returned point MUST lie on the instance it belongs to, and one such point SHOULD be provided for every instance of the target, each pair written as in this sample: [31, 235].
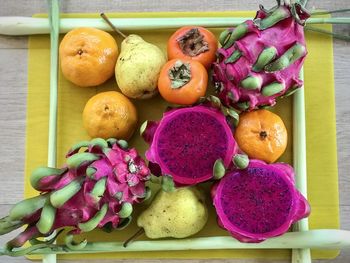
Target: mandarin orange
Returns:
[110, 115]
[262, 135]
[88, 56]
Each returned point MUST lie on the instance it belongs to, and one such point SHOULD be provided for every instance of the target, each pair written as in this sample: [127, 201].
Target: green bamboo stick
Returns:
[330, 33]
[315, 239]
[299, 163]
[31, 26]
[317, 13]
[54, 21]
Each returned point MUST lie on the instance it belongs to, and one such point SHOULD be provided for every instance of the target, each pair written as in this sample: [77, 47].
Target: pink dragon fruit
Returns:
[260, 60]
[187, 142]
[258, 202]
[96, 189]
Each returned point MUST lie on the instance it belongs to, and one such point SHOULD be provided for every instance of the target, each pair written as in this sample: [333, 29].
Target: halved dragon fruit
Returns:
[95, 189]
[186, 143]
[258, 202]
[260, 60]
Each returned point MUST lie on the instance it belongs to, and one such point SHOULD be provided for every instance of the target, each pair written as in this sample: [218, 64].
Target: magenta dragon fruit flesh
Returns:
[260, 60]
[95, 189]
[258, 202]
[186, 143]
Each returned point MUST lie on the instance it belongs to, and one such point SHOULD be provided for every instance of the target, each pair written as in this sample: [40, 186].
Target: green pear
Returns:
[180, 213]
[138, 67]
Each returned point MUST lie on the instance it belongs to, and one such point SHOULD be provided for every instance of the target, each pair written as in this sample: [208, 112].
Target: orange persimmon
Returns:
[195, 43]
[182, 81]
[262, 135]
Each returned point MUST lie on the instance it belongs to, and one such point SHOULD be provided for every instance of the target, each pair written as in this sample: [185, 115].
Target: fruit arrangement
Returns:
[228, 141]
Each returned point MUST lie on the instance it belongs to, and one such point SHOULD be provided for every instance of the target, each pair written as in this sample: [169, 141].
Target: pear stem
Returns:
[134, 236]
[105, 18]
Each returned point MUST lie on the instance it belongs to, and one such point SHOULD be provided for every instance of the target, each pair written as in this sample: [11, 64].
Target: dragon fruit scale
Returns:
[258, 202]
[95, 189]
[260, 60]
[188, 143]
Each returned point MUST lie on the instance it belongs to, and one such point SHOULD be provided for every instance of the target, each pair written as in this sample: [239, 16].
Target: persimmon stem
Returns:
[105, 18]
[134, 236]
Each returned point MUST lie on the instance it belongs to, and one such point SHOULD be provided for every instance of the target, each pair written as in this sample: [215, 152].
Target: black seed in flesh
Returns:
[190, 143]
[256, 200]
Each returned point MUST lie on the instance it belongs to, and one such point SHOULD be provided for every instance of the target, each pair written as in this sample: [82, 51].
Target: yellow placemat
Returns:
[321, 135]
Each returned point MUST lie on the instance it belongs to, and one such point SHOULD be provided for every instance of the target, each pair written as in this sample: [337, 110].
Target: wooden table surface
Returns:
[13, 88]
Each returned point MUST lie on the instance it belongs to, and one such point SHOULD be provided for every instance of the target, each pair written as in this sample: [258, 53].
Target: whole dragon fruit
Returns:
[260, 60]
[95, 189]
[258, 202]
[187, 143]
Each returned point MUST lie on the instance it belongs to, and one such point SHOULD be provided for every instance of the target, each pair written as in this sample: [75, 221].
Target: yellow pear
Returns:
[138, 67]
[180, 213]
